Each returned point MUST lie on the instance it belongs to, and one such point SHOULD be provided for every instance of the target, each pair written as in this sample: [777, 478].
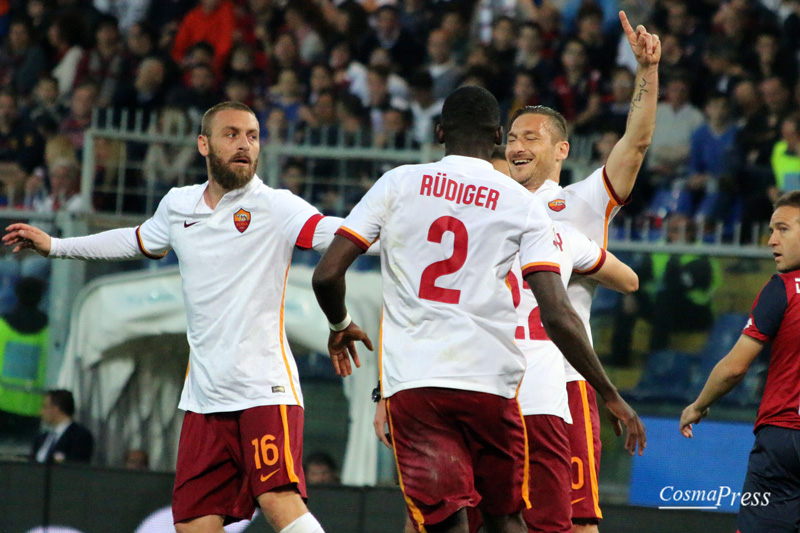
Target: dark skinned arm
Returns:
[329, 286]
[564, 327]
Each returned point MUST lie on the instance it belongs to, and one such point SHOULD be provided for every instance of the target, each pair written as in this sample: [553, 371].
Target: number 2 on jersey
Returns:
[535, 328]
[427, 283]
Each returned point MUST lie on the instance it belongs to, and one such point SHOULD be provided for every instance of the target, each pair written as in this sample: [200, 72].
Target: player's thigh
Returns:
[207, 479]
[770, 499]
[585, 448]
[498, 447]
[272, 448]
[550, 474]
[433, 460]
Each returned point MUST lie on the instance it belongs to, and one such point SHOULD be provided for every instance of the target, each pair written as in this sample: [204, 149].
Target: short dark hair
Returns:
[789, 199]
[29, 291]
[62, 399]
[470, 112]
[321, 458]
[208, 117]
[421, 79]
[557, 120]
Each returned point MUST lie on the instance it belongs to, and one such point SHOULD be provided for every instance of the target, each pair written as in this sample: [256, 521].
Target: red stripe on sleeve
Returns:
[597, 266]
[612, 192]
[142, 249]
[352, 238]
[540, 267]
[305, 240]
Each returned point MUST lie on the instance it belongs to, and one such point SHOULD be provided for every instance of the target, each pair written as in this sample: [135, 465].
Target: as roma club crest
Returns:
[557, 205]
[241, 219]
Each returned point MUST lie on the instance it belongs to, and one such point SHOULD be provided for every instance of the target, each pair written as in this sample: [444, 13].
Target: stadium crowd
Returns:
[376, 73]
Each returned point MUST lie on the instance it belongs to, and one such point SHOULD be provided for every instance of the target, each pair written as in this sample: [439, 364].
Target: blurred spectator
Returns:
[239, 89]
[320, 80]
[287, 95]
[22, 60]
[65, 35]
[389, 34]
[274, 126]
[170, 164]
[711, 162]
[601, 50]
[140, 42]
[103, 63]
[297, 17]
[199, 94]
[136, 459]
[722, 71]
[577, 88]
[442, 66]
[23, 358]
[65, 189]
[285, 55]
[426, 109]
[80, 113]
[167, 15]
[65, 440]
[617, 104]
[396, 131]
[21, 147]
[147, 90]
[293, 177]
[211, 21]
[415, 17]
[127, 12]
[321, 469]
[504, 52]
[454, 23]
[676, 295]
[768, 60]
[378, 97]
[673, 59]
[359, 77]
[488, 12]
[38, 15]
[786, 158]
[676, 119]
[601, 148]
[530, 52]
[525, 92]
[46, 104]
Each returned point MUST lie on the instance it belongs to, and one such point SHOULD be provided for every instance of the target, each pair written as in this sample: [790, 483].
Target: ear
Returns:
[202, 145]
[562, 151]
[498, 135]
[438, 133]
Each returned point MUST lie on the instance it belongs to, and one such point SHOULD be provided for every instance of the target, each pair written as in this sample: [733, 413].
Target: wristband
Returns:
[341, 325]
[376, 393]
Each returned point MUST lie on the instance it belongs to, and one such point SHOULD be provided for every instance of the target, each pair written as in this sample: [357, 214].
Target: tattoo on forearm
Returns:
[636, 100]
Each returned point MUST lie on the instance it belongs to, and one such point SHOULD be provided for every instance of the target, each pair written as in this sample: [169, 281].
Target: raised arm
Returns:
[627, 155]
[564, 327]
[329, 286]
[726, 375]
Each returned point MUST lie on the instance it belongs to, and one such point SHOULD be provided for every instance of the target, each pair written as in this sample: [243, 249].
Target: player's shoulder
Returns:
[596, 179]
[186, 197]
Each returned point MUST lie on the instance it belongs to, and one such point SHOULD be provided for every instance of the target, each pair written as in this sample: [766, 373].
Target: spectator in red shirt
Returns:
[212, 21]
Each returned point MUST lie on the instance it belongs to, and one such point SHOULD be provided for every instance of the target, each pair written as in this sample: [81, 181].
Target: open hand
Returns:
[646, 46]
[23, 236]
[342, 346]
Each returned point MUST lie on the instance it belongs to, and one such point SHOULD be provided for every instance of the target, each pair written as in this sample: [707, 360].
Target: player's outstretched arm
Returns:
[730, 370]
[627, 155]
[564, 327]
[329, 286]
[24, 236]
[616, 275]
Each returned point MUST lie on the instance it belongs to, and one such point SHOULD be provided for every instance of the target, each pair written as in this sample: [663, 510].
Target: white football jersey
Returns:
[544, 386]
[449, 232]
[589, 206]
[234, 261]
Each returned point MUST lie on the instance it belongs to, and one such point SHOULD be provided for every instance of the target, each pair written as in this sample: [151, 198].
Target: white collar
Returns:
[466, 160]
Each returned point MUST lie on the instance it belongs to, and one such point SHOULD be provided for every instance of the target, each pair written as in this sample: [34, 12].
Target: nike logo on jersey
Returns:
[186, 224]
[573, 501]
[264, 478]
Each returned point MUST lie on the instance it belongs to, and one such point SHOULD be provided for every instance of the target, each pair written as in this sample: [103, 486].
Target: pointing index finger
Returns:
[626, 26]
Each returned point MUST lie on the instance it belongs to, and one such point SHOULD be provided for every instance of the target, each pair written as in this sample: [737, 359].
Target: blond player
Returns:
[242, 434]
[536, 148]
[450, 368]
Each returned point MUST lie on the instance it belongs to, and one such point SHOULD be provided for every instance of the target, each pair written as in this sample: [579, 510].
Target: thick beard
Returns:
[227, 177]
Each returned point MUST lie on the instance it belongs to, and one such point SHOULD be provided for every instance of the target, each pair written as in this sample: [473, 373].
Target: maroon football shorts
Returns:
[584, 442]
[548, 441]
[226, 460]
[457, 448]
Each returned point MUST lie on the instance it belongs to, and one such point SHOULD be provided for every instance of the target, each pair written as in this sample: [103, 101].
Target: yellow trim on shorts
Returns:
[287, 447]
[587, 420]
[526, 476]
[415, 512]
[280, 335]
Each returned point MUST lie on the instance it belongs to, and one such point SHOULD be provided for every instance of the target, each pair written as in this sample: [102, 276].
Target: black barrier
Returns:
[91, 500]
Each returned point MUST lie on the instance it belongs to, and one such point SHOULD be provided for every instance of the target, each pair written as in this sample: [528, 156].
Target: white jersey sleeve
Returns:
[587, 256]
[153, 236]
[113, 244]
[597, 193]
[363, 225]
[300, 221]
[539, 245]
